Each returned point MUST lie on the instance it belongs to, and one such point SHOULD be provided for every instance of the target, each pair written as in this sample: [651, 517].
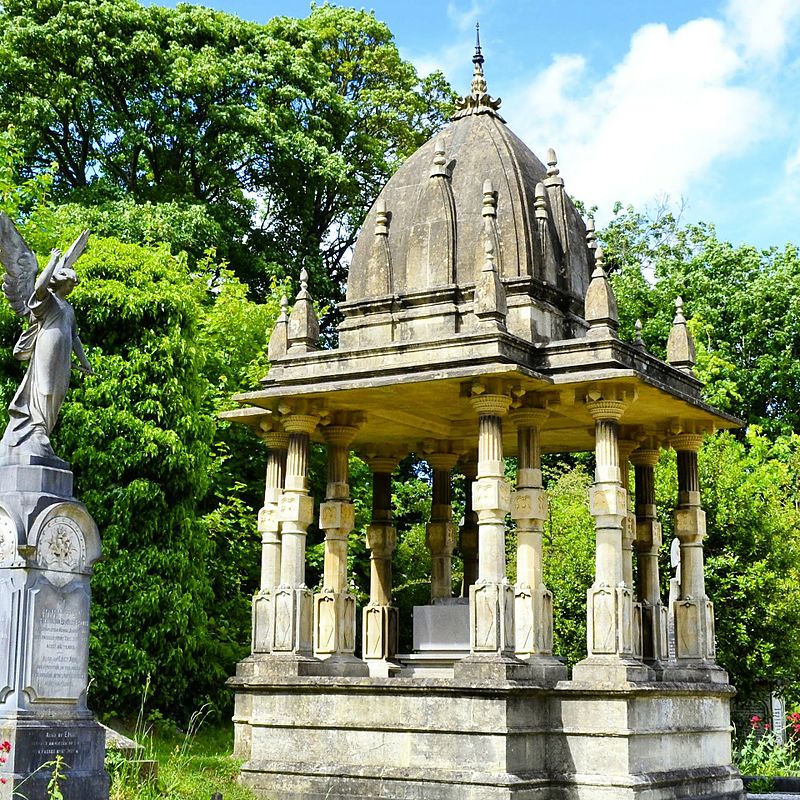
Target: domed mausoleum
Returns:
[480, 324]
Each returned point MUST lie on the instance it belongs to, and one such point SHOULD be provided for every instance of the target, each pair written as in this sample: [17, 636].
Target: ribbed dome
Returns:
[475, 181]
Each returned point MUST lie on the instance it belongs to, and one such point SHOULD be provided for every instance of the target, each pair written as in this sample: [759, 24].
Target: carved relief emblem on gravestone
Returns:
[61, 546]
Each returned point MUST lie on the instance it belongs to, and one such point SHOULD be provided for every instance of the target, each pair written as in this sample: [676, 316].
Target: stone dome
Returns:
[473, 193]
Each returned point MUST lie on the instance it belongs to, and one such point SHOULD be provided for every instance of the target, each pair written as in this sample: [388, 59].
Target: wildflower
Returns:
[755, 722]
[767, 726]
[2, 780]
[6, 746]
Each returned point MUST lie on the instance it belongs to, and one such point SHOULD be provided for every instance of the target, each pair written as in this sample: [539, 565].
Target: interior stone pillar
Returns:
[491, 599]
[468, 535]
[440, 532]
[648, 545]
[533, 602]
[693, 612]
[334, 606]
[610, 626]
[293, 599]
[625, 448]
[380, 619]
[277, 442]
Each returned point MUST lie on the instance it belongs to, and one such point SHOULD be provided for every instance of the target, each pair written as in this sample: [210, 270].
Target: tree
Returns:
[743, 306]
[304, 118]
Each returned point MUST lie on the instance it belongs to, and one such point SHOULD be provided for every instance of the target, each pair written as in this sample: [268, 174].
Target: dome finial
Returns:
[478, 100]
[477, 59]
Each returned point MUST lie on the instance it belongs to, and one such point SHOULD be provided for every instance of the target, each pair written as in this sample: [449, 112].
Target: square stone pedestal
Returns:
[328, 738]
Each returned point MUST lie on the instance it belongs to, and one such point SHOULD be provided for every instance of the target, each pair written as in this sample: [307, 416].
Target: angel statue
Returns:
[47, 343]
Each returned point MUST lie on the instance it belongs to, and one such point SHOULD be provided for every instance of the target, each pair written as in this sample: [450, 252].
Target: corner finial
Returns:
[278, 340]
[680, 344]
[600, 303]
[638, 341]
[303, 326]
[381, 218]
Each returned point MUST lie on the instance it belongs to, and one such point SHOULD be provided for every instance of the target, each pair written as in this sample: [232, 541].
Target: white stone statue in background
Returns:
[48, 342]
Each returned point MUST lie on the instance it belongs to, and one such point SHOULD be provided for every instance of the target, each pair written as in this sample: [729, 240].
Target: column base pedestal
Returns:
[611, 669]
[343, 665]
[545, 670]
[693, 672]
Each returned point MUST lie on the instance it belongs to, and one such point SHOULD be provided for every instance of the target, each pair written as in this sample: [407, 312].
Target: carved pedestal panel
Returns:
[48, 543]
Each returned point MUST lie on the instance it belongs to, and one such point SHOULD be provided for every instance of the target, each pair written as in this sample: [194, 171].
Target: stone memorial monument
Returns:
[48, 543]
[480, 323]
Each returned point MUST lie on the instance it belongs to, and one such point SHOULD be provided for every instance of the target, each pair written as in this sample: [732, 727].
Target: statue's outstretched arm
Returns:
[43, 281]
[77, 348]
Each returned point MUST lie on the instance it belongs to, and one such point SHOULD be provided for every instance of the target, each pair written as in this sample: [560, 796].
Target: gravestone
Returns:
[48, 543]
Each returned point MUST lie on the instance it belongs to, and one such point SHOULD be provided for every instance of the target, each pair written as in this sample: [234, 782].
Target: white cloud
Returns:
[792, 165]
[657, 122]
[466, 17]
[764, 29]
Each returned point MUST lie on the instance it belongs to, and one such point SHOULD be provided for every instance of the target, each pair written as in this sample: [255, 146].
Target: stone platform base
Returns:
[35, 743]
[309, 738]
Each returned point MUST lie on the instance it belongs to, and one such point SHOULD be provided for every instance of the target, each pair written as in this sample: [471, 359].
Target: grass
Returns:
[191, 766]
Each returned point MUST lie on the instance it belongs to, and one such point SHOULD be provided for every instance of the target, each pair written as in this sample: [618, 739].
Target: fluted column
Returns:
[440, 532]
[380, 630]
[293, 599]
[334, 606]
[468, 535]
[610, 625]
[625, 448]
[277, 442]
[491, 598]
[648, 544]
[693, 612]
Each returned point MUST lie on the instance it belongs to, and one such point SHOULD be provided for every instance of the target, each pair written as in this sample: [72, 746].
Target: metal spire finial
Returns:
[477, 59]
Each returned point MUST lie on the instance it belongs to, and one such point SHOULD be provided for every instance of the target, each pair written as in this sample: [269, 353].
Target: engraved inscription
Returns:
[60, 644]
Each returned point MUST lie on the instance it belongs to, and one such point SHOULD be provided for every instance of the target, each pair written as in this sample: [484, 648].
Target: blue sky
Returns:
[694, 103]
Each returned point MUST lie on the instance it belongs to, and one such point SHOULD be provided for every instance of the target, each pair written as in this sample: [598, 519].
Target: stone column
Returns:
[693, 612]
[440, 533]
[468, 536]
[380, 620]
[610, 628]
[533, 603]
[277, 442]
[334, 606]
[293, 599]
[491, 599]
[648, 544]
[625, 448]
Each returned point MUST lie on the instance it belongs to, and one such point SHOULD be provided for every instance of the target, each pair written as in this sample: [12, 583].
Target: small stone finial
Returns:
[489, 199]
[278, 340]
[591, 234]
[490, 304]
[638, 341]
[381, 218]
[439, 168]
[680, 344]
[601, 304]
[552, 163]
[303, 326]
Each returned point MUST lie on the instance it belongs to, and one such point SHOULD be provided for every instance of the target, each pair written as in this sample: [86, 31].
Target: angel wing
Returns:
[20, 265]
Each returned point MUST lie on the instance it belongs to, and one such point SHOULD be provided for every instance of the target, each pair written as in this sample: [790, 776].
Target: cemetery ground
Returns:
[191, 765]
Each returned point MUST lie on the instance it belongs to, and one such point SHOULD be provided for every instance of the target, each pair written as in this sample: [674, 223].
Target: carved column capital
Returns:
[644, 457]
[687, 442]
[528, 417]
[495, 405]
[300, 423]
